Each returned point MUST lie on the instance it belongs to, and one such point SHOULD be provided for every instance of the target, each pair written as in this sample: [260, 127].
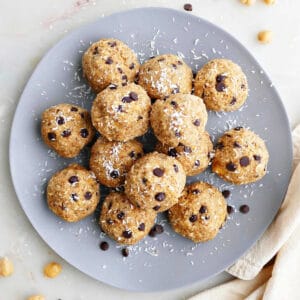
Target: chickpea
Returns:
[52, 269]
[265, 36]
[6, 267]
[36, 297]
[269, 2]
[248, 2]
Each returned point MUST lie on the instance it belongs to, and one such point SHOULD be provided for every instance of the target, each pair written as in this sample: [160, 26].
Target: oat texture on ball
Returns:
[124, 222]
[164, 75]
[73, 193]
[109, 61]
[241, 156]
[121, 113]
[66, 129]
[181, 118]
[155, 181]
[222, 85]
[194, 158]
[199, 213]
[111, 161]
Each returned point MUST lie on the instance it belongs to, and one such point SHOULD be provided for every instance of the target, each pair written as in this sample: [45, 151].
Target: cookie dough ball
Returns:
[121, 113]
[241, 156]
[179, 119]
[124, 222]
[155, 181]
[66, 129]
[199, 213]
[109, 61]
[110, 161]
[164, 75]
[195, 158]
[222, 85]
[73, 193]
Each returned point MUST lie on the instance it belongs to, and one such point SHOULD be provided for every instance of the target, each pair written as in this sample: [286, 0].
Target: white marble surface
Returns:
[27, 30]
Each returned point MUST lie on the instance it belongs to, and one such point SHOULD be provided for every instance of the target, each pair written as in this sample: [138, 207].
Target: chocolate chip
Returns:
[109, 61]
[125, 252]
[152, 232]
[158, 172]
[140, 118]
[144, 180]
[244, 209]
[141, 227]
[132, 154]
[174, 104]
[51, 136]
[109, 205]
[121, 215]
[193, 218]
[175, 90]
[124, 77]
[109, 221]
[114, 174]
[66, 133]
[161, 59]
[60, 120]
[238, 128]
[120, 108]
[220, 86]
[131, 66]
[112, 44]
[104, 246]
[230, 209]
[236, 145]
[133, 96]
[127, 234]
[179, 62]
[95, 51]
[174, 66]
[112, 86]
[126, 99]
[203, 209]
[176, 168]
[188, 7]
[156, 208]
[220, 145]
[233, 101]
[120, 70]
[220, 78]
[226, 193]
[124, 83]
[257, 157]
[195, 191]
[73, 108]
[197, 163]
[243, 86]
[231, 166]
[206, 217]
[73, 179]
[244, 161]
[160, 196]
[88, 195]
[172, 152]
[74, 197]
[187, 149]
[196, 122]
[84, 132]
[177, 134]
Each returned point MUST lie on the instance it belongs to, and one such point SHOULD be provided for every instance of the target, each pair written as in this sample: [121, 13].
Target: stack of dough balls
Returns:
[152, 182]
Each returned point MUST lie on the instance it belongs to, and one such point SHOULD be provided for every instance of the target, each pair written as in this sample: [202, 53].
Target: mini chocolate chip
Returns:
[140, 118]
[51, 136]
[233, 101]
[196, 122]
[161, 59]
[158, 228]
[172, 152]
[220, 145]
[197, 163]
[144, 180]
[236, 145]
[177, 134]
[230, 209]
[174, 104]
[257, 157]
[132, 154]
[238, 128]
[203, 209]
[121, 215]
[88, 195]
[73, 108]
[188, 7]
[73, 179]
[160, 196]
[244, 208]
[141, 227]
[193, 218]
[126, 99]
[206, 217]
[109, 61]
[74, 197]
[114, 174]
[226, 193]
[127, 234]
[156, 208]
[133, 96]
[84, 132]
[120, 70]
[124, 77]
[104, 246]
[124, 83]
[131, 66]
[109, 221]
[112, 86]
[158, 172]
[60, 120]
[174, 66]
[95, 51]
[195, 191]
[120, 108]
[244, 161]
[243, 86]
[66, 133]
[175, 90]
[112, 44]
[179, 62]
[176, 168]
[125, 252]
[220, 86]
[231, 166]
[187, 149]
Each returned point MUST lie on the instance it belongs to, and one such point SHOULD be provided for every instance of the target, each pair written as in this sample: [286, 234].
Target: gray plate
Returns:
[168, 261]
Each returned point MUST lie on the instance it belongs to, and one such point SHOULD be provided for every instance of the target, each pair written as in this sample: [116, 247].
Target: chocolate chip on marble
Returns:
[244, 161]
[84, 132]
[226, 193]
[142, 227]
[193, 218]
[51, 136]
[196, 122]
[73, 179]
[88, 195]
[230, 209]
[203, 209]
[127, 234]
[244, 209]
[238, 128]
[125, 252]
[121, 215]
[160, 196]
[104, 246]
[188, 7]
[109, 61]
[158, 172]
[114, 174]
[231, 167]
[66, 133]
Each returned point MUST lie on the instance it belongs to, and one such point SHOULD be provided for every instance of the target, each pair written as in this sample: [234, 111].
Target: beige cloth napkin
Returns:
[281, 279]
